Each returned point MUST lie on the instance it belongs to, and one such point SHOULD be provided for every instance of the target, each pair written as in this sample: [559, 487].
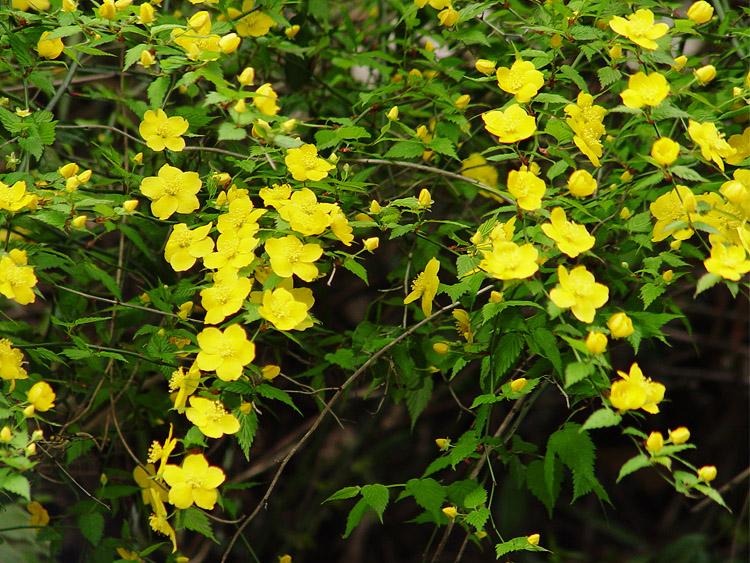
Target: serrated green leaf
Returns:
[417, 399]
[230, 132]
[556, 169]
[601, 418]
[687, 173]
[356, 268]
[632, 465]
[376, 496]
[478, 518]
[157, 91]
[276, 394]
[577, 371]
[16, 483]
[443, 146]
[574, 76]
[405, 149]
[516, 544]
[196, 520]
[650, 292]
[355, 516]
[475, 498]
[133, 55]
[343, 494]
[248, 428]
[608, 75]
[91, 525]
[427, 493]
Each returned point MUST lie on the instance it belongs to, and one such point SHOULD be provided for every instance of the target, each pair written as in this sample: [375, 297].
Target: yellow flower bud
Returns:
[72, 183]
[424, 199]
[6, 435]
[270, 371]
[146, 13]
[289, 125]
[700, 12]
[485, 67]
[245, 408]
[555, 41]
[107, 10]
[679, 435]
[130, 205]
[229, 43]
[392, 114]
[240, 106]
[69, 170]
[615, 52]
[462, 101]
[665, 151]
[496, 297]
[247, 76]
[414, 75]
[364, 217]
[23, 112]
[84, 176]
[705, 74]
[371, 243]
[581, 184]
[443, 443]
[626, 176]
[31, 449]
[596, 342]
[680, 62]
[79, 222]
[450, 511]
[667, 275]
[221, 178]
[285, 558]
[37, 435]
[185, 309]
[517, 385]
[533, 539]
[375, 207]
[707, 473]
[481, 534]
[448, 17]
[28, 412]
[199, 20]
[260, 129]
[655, 442]
[146, 60]
[69, 6]
[138, 158]
[625, 214]
[675, 244]
[122, 4]
[441, 348]
[291, 31]
[620, 325]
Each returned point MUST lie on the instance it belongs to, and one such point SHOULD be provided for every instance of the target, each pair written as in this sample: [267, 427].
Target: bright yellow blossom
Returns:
[596, 342]
[673, 212]
[289, 256]
[234, 249]
[41, 396]
[304, 163]
[477, 168]
[107, 10]
[226, 353]
[49, 48]
[521, 79]
[581, 183]
[163, 132]
[182, 385]
[640, 28]
[654, 442]
[211, 418]
[679, 435]
[578, 291]
[634, 391]
[172, 190]
[527, 188]
[241, 219]
[185, 246]
[645, 90]
[705, 74]
[620, 325]
[282, 309]
[571, 238]
[226, 296]
[711, 142]
[511, 125]
[727, 260]
[700, 12]
[305, 214]
[340, 226]
[425, 285]
[448, 17]
[17, 279]
[254, 24]
[193, 482]
[265, 99]
[665, 151]
[510, 261]
[161, 452]
[450, 511]
[586, 120]
[741, 145]
[11, 361]
[463, 324]
[15, 198]
[39, 514]
[707, 473]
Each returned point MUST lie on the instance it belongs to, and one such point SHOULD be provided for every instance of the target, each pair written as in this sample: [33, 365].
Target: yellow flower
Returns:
[226, 353]
[509, 261]
[241, 219]
[172, 190]
[711, 142]
[581, 183]
[727, 260]
[485, 67]
[292, 31]
[304, 214]
[226, 296]
[184, 246]
[17, 279]
[290, 257]
[654, 442]
[49, 48]
[533, 539]
[265, 99]
[462, 101]
[229, 43]
[392, 114]
[254, 24]
[425, 285]
[371, 244]
[211, 418]
[700, 12]
[572, 239]
[107, 10]
[270, 372]
[517, 385]
[634, 391]
[448, 17]
[41, 396]
[247, 76]
[39, 515]
[147, 59]
[673, 212]
[679, 435]
[193, 482]
[639, 28]
[450, 511]
[665, 151]
[521, 79]
[596, 342]
[24, 5]
[234, 249]
[161, 452]
[645, 90]
[146, 14]
[527, 188]
[161, 131]
[707, 473]
[441, 348]
[463, 325]
[741, 145]
[511, 125]
[586, 120]
[705, 74]
[443, 443]
[182, 385]
[283, 310]
[476, 168]
[14, 198]
[680, 62]
[69, 6]
[304, 163]
[158, 522]
[620, 325]
[579, 292]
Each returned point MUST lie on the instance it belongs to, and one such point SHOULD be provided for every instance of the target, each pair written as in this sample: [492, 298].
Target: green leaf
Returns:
[687, 173]
[157, 91]
[577, 371]
[478, 518]
[573, 446]
[91, 525]
[632, 465]
[196, 520]
[327, 138]
[665, 110]
[248, 428]
[376, 496]
[355, 516]
[16, 483]
[427, 493]
[230, 132]
[343, 494]
[276, 394]
[574, 76]
[608, 75]
[556, 169]
[405, 149]
[543, 343]
[550, 99]
[356, 268]
[706, 281]
[133, 55]
[444, 147]
[713, 494]
[601, 418]
[417, 399]
[649, 292]
[465, 446]
[516, 544]
[475, 498]
[537, 483]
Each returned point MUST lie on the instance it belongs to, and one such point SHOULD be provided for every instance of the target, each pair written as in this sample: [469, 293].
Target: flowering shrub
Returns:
[220, 216]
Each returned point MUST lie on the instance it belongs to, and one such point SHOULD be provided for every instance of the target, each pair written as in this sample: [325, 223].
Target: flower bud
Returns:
[496, 297]
[270, 372]
[679, 435]
[581, 184]
[441, 348]
[72, 183]
[147, 59]
[130, 205]
[288, 125]
[705, 74]
[462, 101]
[247, 76]
[392, 113]
[199, 20]
[556, 41]
[37, 435]
[79, 222]
[221, 178]
[69, 6]
[533, 539]
[655, 442]
[667, 275]
[84, 176]
[138, 158]
[28, 412]
[626, 176]
[700, 12]
[448, 17]
[291, 31]
[424, 199]
[6, 435]
[371, 243]
[596, 342]
[68, 170]
[680, 62]
[375, 207]
[229, 43]
[517, 385]
[443, 443]
[122, 4]
[675, 244]
[707, 473]
[146, 13]
[485, 67]
[107, 10]
[625, 214]
[185, 309]
[240, 106]
[620, 325]
[615, 52]
[246, 408]
[31, 449]
[450, 511]
[665, 151]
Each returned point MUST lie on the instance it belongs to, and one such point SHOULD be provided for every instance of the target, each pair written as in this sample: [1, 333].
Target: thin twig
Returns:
[69, 476]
